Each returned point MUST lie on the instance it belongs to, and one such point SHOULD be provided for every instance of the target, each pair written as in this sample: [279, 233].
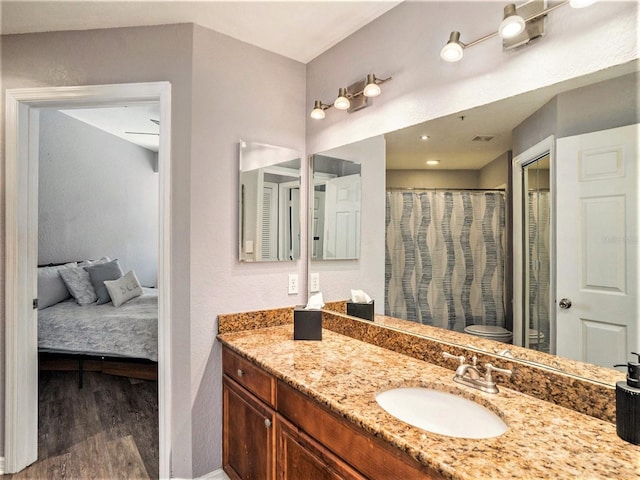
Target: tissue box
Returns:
[361, 310]
[307, 324]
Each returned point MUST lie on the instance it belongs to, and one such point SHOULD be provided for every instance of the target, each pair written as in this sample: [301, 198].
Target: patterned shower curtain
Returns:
[444, 262]
[539, 208]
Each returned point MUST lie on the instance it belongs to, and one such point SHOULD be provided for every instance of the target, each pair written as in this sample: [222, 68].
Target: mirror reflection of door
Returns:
[335, 230]
[269, 203]
[537, 261]
[342, 218]
[597, 246]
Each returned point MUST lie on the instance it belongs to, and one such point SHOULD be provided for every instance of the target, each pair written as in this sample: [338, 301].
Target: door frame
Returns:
[548, 145]
[21, 211]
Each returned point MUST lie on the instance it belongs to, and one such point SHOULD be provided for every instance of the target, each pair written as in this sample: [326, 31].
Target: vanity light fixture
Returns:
[318, 110]
[519, 26]
[432, 162]
[371, 89]
[512, 23]
[352, 98]
[342, 102]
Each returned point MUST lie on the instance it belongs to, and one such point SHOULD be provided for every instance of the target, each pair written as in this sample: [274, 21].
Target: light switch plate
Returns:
[293, 284]
[314, 283]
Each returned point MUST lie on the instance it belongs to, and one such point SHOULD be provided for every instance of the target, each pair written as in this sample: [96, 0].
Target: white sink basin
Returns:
[441, 412]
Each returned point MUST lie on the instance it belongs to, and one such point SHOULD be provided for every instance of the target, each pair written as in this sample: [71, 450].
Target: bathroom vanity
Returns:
[307, 409]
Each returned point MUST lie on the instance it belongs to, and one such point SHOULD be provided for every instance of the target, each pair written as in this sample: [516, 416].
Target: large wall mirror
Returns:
[450, 248]
[269, 203]
[335, 217]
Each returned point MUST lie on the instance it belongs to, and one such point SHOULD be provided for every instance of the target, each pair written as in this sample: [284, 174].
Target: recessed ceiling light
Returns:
[424, 137]
[433, 162]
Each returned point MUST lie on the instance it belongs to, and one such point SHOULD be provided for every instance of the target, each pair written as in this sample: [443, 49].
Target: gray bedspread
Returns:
[130, 330]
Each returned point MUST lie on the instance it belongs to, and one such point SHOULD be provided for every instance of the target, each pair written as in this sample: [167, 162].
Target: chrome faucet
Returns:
[470, 375]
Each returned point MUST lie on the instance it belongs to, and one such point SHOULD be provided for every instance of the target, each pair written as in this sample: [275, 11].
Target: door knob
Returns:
[565, 303]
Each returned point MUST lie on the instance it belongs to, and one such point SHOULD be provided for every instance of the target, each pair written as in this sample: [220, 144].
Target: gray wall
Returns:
[97, 196]
[609, 104]
[217, 98]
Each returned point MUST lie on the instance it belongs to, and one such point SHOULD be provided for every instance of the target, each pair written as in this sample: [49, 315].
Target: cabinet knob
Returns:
[240, 373]
[267, 423]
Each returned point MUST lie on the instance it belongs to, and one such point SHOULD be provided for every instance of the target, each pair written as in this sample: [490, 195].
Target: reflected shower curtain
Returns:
[444, 262]
[539, 208]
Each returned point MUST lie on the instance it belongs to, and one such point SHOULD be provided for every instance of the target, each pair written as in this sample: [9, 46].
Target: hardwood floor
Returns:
[106, 430]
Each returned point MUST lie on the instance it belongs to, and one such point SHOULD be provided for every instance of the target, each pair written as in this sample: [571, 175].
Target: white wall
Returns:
[405, 43]
[98, 195]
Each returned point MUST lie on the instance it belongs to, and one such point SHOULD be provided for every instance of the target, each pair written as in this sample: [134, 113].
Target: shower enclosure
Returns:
[445, 252]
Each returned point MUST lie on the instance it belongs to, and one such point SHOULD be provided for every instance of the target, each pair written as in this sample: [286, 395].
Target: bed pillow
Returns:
[79, 284]
[90, 263]
[100, 273]
[51, 287]
[123, 289]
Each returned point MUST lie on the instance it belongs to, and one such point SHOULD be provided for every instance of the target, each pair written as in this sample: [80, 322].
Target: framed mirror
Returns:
[493, 135]
[269, 203]
[335, 196]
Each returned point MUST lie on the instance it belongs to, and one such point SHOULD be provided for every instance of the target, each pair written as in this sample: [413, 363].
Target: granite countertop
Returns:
[344, 374]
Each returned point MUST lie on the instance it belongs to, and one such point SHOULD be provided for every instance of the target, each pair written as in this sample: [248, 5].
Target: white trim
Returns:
[215, 475]
[1, 465]
[545, 146]
[18, 294]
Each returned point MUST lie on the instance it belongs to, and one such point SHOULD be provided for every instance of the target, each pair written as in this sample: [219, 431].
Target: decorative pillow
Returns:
[100, 273]
[123, 289]
[89, 263]
[79, 284]
[51, 288]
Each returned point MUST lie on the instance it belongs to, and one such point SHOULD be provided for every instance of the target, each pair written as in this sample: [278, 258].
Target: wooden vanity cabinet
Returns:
[301, 457]
[272, 431]
[248, 432]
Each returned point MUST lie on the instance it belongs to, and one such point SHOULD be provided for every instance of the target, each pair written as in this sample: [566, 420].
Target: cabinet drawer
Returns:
[369, 455]
[254, 379]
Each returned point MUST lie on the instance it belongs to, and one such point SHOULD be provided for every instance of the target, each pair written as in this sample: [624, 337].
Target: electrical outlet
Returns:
[293, 283]
[314, 283]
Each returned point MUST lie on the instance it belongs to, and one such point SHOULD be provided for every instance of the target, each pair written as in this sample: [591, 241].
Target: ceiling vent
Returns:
[483, 138]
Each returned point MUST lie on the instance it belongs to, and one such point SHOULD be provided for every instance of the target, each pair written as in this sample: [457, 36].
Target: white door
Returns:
[597, 246]
[342, 218]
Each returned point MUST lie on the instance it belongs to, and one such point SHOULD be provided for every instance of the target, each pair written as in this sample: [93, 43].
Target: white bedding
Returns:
[130, 330]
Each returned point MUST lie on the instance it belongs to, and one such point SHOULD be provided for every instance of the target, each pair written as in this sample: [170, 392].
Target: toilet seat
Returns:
[490, 332]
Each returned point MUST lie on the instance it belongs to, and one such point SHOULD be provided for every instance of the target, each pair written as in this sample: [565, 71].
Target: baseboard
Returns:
[215, 475]
[2, 466]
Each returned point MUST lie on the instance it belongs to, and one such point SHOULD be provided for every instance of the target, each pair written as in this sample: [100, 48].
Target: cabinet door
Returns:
[300, 457]
[248, 435]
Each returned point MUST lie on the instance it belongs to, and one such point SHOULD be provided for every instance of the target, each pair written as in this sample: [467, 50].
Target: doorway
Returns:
[21, 180]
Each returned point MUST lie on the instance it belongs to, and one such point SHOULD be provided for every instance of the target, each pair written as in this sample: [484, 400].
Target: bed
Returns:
[120, 340]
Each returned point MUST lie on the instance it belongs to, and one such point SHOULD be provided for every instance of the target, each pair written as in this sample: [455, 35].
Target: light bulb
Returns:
[372, 89]
[513, 24]
[318, 112]
[432, 162]
[452, 51]
[342, 102]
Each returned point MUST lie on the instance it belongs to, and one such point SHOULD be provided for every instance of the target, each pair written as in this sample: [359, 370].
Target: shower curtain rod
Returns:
[404, 189]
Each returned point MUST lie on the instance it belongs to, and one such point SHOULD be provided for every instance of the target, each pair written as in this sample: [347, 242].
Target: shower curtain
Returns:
[444, 262]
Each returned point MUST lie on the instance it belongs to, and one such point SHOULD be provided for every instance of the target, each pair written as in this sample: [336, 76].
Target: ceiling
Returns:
[130, 122]
[451, 137]
[315, 26]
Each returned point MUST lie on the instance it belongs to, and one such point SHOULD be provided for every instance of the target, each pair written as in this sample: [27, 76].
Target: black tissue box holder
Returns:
[361, 310]
[307, 324]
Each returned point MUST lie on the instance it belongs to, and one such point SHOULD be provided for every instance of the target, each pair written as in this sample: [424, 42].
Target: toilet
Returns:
[490, 332]
[535, 337]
